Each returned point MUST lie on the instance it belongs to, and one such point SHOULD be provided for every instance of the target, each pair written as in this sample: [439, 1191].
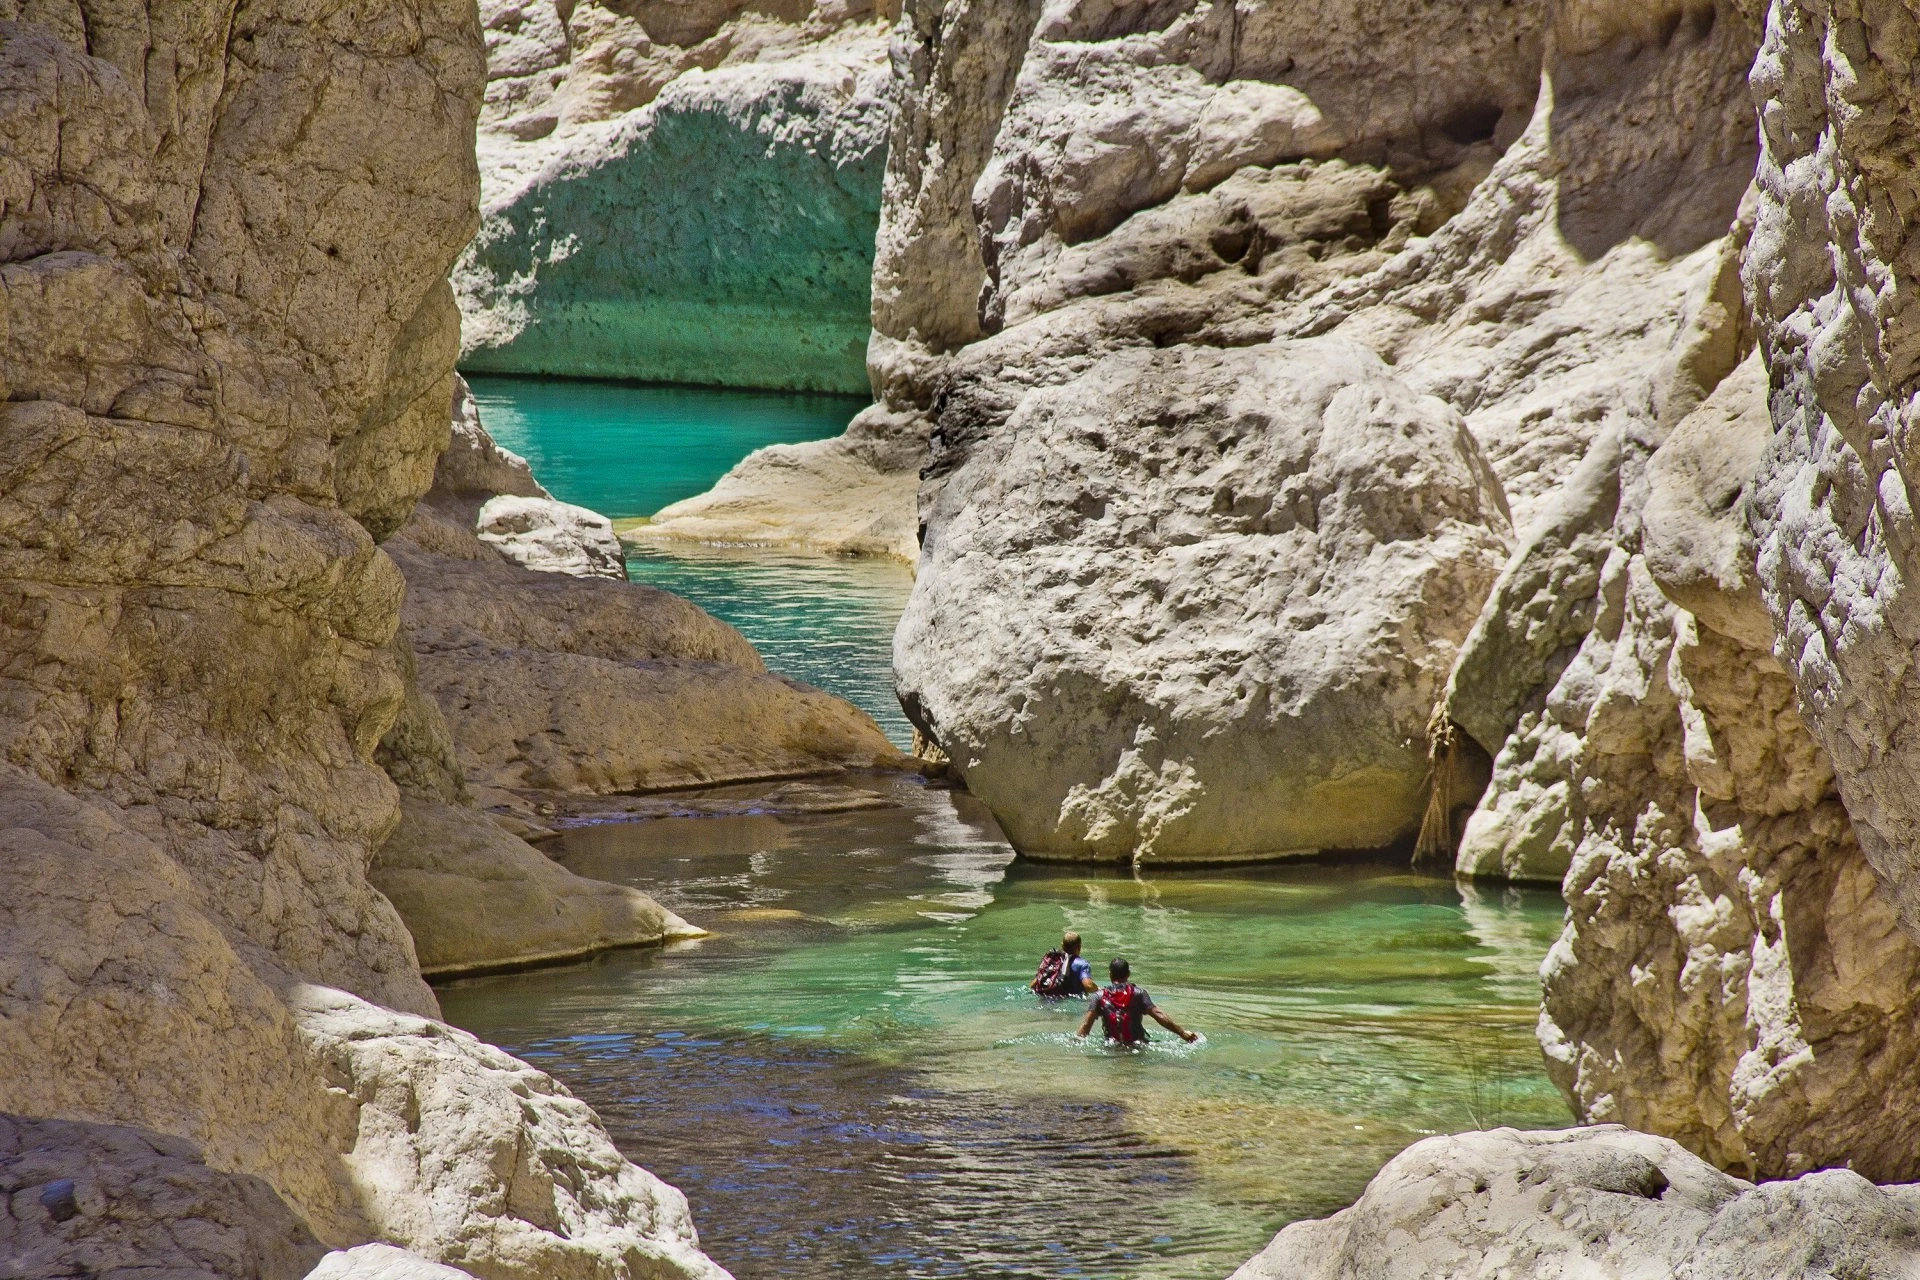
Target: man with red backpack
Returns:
[1063, 972]
[1123, 1009]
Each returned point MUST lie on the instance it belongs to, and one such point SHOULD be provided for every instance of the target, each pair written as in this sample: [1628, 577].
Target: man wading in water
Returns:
[1123, 1009]
[1063, 972]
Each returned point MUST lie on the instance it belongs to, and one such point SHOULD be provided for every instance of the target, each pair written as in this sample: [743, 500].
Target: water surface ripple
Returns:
[848, 1078]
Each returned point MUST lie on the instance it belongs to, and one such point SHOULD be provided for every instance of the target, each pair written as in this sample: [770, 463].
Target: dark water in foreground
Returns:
[848, 1079]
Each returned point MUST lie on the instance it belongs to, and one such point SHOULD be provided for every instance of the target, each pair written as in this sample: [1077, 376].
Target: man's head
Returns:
[1070, 943]
[1119, 970]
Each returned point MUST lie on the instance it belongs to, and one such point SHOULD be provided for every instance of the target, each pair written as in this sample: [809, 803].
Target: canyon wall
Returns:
[227, 353]
[1178, 314]
[1220, 626]
[678, 193]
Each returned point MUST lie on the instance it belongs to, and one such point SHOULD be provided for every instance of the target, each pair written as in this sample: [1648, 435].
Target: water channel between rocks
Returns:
[849, 1079]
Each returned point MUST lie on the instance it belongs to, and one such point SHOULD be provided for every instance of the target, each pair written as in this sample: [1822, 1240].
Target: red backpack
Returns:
[1121, 1013]
[1051, 977]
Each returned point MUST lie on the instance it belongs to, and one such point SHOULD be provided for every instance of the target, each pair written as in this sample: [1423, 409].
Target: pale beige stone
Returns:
[1832, 279]
[851, 495]
[227, 350]
[380, 1262]
[1602, 1201]
[1244, 627]
[551, 537]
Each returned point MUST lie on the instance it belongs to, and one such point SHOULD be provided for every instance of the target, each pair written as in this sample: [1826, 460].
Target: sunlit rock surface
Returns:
[1833, 281]
[1548, 263]
[678, 193]
[551, 537]
[1603, 1201]
[228, 357]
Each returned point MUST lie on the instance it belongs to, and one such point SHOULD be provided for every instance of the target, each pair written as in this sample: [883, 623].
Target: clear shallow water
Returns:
[627, 450]
[827, 620]
[849, 1079]
[630, 450]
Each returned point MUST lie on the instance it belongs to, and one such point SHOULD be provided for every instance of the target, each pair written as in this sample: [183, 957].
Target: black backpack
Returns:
[1051, 979]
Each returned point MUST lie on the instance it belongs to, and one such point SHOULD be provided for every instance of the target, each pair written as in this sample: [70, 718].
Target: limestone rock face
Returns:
[676, 192]
[227, 350]
[1175, 181]
[1600, 1201]
[380, 1262]
[102, 1200]
[552, 537]
[433, 1113]
[1256, 567]
[1832, 279]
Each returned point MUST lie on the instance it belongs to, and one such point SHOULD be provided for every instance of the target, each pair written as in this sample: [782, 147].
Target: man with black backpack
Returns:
[1063, 972]
[1123, 1009]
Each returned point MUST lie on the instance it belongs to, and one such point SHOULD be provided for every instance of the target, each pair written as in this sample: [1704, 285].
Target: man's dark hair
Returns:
[1118, 969]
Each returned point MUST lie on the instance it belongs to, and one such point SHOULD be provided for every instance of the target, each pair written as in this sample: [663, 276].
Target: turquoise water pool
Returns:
[627, 450]
[849, 1079]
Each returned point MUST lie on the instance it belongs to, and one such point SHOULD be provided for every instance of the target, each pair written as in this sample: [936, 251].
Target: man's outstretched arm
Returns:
[1168, 1023]
[1086, 1023]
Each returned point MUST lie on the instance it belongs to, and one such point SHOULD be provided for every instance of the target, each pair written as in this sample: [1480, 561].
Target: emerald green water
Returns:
[849, 1079]
[630, 450]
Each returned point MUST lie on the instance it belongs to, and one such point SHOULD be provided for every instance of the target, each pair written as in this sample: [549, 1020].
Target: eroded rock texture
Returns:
[100, 1200]
[1602, 1201]
[679, 192]
[227, 349]
[1833, 281]
[1529, 246]
[1731, 974]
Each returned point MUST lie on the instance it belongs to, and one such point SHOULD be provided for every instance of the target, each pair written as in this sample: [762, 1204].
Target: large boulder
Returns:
[547, 682]
[1233, 586]
[849, 495]
[551, 537]
[1506, 1205]
[678, 193]
[1167, 183]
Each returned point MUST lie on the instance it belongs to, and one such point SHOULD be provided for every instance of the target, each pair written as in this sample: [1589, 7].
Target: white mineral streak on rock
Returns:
[227, 357]
[1507, 1205]
[551, 537]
